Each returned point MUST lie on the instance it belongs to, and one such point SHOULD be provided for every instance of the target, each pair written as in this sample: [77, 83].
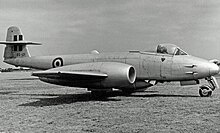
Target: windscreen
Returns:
[170, 49]
[180, 52]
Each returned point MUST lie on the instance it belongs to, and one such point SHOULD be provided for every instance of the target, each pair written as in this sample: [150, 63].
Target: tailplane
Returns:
[15, 44]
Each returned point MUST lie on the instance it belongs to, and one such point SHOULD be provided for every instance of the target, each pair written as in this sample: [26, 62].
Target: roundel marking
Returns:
[57, 62]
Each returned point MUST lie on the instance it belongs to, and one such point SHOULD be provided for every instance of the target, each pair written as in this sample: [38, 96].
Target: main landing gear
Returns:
[206, 90]
[99, 93]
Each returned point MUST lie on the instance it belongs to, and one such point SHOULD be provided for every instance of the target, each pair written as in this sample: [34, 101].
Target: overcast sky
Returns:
[79, 26]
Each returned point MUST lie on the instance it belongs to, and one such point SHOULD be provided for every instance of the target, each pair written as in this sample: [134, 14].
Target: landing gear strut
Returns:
[206, 90]
[99, 93]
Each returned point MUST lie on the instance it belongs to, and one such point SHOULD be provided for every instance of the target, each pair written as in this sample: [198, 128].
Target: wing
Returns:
[76, 75]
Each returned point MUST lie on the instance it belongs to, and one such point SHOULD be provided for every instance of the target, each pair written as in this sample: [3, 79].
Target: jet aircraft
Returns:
[101, 72]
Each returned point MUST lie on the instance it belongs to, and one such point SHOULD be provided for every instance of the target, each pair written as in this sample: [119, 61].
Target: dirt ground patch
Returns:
[28, 105]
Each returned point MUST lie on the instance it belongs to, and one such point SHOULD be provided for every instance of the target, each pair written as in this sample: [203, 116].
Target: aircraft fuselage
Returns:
[149, 66]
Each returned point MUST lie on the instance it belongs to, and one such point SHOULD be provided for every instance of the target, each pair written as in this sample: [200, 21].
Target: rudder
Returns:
[14, 34]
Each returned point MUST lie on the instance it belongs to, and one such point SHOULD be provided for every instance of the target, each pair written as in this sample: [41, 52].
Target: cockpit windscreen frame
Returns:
[170, 49]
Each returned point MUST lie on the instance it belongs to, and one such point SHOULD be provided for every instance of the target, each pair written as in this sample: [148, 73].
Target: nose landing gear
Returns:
[206, 90]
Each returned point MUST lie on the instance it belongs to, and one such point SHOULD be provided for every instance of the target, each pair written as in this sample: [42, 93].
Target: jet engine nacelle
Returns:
[118, 75]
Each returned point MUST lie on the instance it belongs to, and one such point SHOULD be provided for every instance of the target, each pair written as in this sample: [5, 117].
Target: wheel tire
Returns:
[205, 92]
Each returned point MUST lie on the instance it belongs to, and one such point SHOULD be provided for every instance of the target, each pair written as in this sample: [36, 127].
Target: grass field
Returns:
[29, 105]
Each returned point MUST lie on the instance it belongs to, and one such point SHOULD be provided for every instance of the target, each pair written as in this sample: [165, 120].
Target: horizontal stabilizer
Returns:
[19, 43]
[76, 75]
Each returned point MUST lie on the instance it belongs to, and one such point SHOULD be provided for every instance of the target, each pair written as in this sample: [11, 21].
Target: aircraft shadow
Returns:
[59, 99]
[163, 95]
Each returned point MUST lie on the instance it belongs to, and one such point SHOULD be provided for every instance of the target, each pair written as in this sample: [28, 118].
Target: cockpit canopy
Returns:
[170, 49]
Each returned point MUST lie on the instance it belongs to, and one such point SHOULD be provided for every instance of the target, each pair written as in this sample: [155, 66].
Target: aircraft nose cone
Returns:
[213, 69]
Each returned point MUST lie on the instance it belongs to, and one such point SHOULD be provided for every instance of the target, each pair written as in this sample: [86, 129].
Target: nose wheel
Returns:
[206, 90]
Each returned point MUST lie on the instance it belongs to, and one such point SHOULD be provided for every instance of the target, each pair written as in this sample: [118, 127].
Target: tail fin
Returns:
[15, 44]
